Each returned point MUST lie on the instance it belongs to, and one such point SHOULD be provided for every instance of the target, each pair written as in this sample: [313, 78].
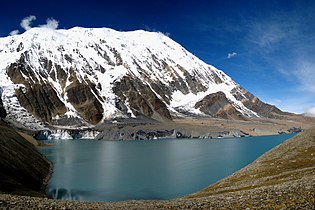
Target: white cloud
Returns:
[301, 73]
[27, 21]
[286, 43]
[278, 31]
[231, 55]
[266, 35]
[306, 75]
[301, 77]
[50, 23]
[15, 32]
[310, 111]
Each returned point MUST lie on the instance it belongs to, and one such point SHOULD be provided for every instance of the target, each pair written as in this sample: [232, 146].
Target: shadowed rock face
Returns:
[23, 169]
[141, 99]
[40, 98]
[84, 101]
[37, 96]
[217, 105]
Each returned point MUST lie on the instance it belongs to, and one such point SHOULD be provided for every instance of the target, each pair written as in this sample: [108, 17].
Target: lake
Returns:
[91, 170]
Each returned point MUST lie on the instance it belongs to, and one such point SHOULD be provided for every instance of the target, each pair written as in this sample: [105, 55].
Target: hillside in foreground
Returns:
[23, 170]
[284, 177]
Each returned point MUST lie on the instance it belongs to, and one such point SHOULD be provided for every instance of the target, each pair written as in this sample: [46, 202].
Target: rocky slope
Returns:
[283, 178]
[82, 76]
[24, 170]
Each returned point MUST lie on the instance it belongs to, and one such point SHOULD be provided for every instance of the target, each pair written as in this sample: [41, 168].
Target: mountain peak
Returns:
[87, 75]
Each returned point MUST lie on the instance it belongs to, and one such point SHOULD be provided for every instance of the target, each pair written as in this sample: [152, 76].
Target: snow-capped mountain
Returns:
[83, 76]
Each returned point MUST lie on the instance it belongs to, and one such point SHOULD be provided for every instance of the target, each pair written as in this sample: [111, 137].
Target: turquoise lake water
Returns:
[91, 170]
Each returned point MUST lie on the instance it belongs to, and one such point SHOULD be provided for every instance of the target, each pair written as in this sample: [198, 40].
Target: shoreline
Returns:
[186, 128]
[163, 139]
[301, 186]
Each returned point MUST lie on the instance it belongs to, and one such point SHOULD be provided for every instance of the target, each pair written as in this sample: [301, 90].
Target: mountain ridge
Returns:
[83, 76]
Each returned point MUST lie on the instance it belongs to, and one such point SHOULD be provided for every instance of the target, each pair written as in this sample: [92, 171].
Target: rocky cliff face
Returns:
[141, 99]
[24, 170]
[253, 103]
[36, 95]
[85, 76]
[217, 105]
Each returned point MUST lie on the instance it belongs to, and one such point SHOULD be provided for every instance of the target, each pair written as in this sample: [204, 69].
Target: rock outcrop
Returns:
[141, 98]
[217, 105]
[145, 134]
[255, 104]
[34, 94]
[82, 96]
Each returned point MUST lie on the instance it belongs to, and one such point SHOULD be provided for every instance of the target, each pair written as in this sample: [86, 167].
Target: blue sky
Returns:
[267, 46]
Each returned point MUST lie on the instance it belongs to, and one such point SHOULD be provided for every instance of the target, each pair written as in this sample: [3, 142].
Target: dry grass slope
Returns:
[282, 177]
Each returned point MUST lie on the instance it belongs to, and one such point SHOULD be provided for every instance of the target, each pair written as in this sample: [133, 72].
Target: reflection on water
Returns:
[159, 169]
[63, 194]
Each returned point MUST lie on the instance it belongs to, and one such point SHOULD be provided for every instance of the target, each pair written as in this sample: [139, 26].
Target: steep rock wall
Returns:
[23, 169]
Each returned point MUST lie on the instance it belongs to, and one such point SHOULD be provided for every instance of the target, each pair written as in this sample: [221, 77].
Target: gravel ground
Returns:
[291, 195]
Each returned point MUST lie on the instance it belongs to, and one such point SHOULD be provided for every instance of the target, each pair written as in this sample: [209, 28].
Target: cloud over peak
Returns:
[50, 23]
[27, 21]
[14, 32]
